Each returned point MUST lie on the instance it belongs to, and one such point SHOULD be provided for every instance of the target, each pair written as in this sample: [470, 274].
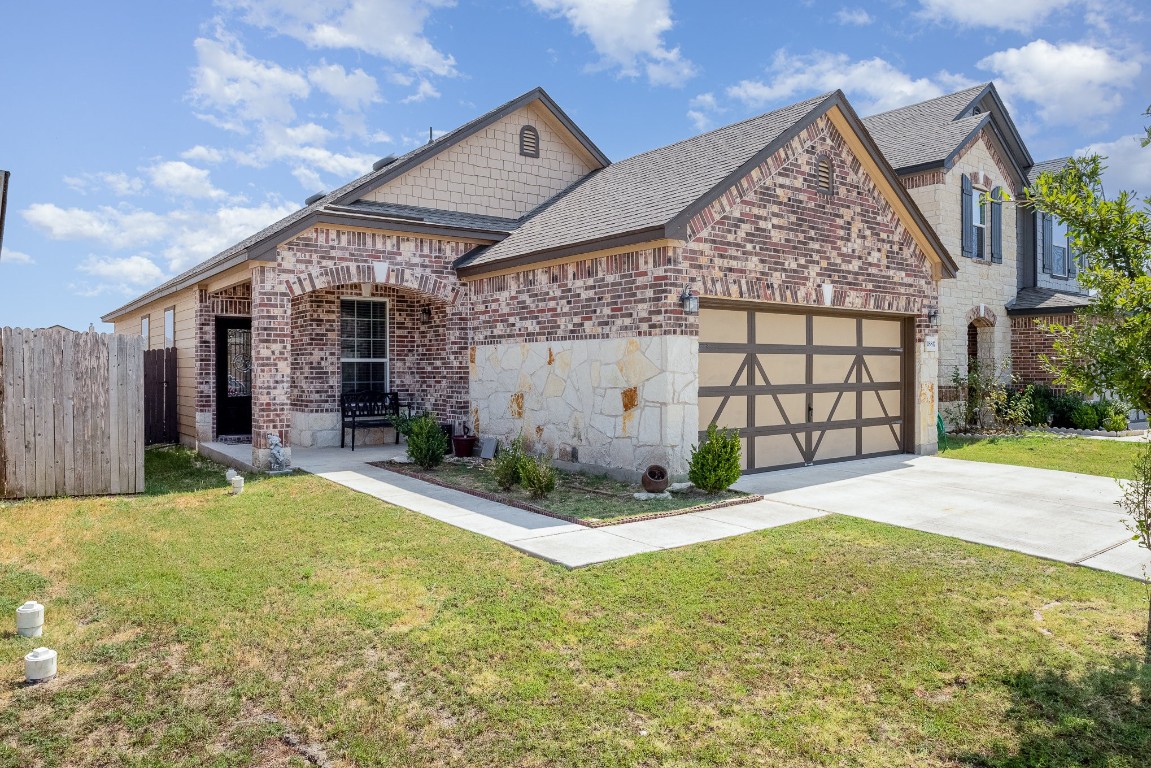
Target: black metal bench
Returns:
[369, 408]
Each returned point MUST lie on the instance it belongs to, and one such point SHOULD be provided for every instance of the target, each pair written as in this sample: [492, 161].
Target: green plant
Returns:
[1062, 406]
[1041, 397]
[1085, 417]
[983, 393]
[1016, 408]
[715, 462]
[427, 442]
[1112, 415]
[537, 475]
[507, 464]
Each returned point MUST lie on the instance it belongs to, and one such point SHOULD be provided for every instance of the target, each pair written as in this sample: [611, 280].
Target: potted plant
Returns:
[464, 444]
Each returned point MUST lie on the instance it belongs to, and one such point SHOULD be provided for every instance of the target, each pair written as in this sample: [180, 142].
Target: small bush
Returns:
[715, 463]
[1062, 406]
[507, 463]
[538, 476]
[1112, 415]
[427, 443]
[1041, 397]
[1085, 417]
[1015, 409]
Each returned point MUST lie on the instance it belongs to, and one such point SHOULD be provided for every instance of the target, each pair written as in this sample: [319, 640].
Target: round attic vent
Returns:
[383, 162]
[315, 198]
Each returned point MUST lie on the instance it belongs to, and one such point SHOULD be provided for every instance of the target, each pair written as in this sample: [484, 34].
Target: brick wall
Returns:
[1029, 341]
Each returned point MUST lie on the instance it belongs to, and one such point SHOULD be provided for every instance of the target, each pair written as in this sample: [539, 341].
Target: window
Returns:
[824, 174]
[529, 141]
[363, 345]
[170, 327]
[145, 331]
[1059, 250]
[1053, 248]
[979, 222]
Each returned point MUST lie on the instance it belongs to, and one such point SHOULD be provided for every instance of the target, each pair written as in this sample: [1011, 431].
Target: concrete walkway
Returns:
[1058, 515]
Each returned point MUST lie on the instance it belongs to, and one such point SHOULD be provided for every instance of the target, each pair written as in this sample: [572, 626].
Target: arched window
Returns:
[529, 141]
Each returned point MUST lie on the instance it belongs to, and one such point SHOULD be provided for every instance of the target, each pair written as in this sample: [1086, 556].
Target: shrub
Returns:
[1062, 406]
[538, 476]
[1112, 415]
[427, 443]
[715, 462]
[1015, 409]
[1041, 397]
[507, 464]
[1085, 417]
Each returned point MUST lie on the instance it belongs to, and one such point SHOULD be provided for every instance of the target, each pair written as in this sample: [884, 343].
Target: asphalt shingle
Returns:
[927, 132]
[1036, 300]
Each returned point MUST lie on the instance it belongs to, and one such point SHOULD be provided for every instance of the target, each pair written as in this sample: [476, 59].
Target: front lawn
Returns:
[582, 497]
[201, 629]
[1108, 458]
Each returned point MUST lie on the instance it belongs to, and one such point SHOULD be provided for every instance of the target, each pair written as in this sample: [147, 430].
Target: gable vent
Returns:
[823, 174]
[315, 198]
[383, 162]
[529, 141]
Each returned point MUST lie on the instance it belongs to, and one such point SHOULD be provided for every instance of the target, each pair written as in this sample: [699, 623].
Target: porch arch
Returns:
[374, 273]
[981, 316]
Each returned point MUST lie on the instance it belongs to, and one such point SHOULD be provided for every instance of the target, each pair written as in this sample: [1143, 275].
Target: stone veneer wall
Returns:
[775, 238]
[979, 283]
[1029, 341]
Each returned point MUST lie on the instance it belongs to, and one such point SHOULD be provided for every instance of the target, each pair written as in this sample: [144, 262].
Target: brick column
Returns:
[205, 369]
[271, 363]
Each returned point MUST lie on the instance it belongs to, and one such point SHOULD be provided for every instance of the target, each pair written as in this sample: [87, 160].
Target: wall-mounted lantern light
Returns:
[689, 301]
[933, 317]
[425, 314]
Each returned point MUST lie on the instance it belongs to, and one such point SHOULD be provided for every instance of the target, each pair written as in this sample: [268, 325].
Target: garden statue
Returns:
[278, 461]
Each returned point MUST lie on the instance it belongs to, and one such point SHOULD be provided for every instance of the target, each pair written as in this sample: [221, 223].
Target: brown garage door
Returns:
[803, 388]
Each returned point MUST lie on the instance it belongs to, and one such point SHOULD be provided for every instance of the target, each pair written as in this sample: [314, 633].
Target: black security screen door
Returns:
[233, 376]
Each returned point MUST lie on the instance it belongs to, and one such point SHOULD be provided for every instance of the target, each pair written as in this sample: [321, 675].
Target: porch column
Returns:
[205, 369]
[271, 364]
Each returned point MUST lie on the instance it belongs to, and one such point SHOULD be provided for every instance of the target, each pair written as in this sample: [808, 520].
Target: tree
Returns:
[1108, 347]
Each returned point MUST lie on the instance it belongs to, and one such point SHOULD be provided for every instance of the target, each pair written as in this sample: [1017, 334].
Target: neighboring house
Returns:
[961, 158]
[509, 275]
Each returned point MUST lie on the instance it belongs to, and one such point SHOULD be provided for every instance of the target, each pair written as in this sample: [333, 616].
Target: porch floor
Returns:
[314, 460]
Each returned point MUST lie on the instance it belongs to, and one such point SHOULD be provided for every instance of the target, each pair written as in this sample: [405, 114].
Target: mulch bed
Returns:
[401, 469]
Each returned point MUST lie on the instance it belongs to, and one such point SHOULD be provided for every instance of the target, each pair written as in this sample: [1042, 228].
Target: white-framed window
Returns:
[979, 223]
[1059, 248]
[146, 330]
[364, 347]
[170, 327]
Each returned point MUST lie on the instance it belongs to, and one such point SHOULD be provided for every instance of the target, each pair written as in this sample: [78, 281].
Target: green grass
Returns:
[582, 496]
[1108, 458]
[195, 628]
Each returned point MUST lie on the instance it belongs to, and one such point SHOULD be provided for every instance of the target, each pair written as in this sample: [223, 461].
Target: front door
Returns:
[233, 376]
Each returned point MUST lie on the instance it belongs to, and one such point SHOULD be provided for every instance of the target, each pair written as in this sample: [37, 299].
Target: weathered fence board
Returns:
[71, 413]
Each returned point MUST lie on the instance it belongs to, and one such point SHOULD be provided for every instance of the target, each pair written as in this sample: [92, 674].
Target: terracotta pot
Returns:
[654, 479]
[463, 445]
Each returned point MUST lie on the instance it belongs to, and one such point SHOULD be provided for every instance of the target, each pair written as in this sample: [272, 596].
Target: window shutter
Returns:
[1047, 235]
[965, 218]
[996, 226]
[1072, 261]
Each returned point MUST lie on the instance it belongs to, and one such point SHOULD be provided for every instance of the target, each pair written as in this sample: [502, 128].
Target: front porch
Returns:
[315, 460]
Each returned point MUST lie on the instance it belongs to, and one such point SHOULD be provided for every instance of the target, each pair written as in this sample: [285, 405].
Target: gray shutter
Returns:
[996, 226]
[1048, 259]
[966, 223]
[1072, 260]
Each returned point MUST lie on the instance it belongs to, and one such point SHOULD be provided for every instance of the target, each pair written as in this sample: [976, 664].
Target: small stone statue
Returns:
[278, 461]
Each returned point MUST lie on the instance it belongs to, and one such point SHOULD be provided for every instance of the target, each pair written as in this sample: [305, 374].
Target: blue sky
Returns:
[144, 137]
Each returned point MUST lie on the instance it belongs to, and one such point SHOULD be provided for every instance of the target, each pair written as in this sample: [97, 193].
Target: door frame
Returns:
[220, 385]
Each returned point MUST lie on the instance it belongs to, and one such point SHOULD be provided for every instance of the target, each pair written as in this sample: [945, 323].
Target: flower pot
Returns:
[463, 445]
[654, 479]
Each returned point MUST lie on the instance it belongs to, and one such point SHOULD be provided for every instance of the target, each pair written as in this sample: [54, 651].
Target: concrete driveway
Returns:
[1058, 515]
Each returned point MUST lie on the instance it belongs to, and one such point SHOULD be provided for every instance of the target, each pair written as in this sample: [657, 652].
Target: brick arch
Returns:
[982, 316]
[375, 273]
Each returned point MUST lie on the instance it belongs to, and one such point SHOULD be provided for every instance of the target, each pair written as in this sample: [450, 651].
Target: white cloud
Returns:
[855, 17]
[351, 90]
[183, 180]
[627, 34]
[15, 257]
[1018, 15]
[390, 29]
[131, 272]
[242, 89]
[702, 109]
[873, 85]
[119, 228]
[1071, 83]
[1128, 165]
[425, 91]
[202, 154]
[120, 184]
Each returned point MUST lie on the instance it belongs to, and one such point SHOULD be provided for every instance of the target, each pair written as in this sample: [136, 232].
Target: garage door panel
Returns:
[802, 389]
[780, 328]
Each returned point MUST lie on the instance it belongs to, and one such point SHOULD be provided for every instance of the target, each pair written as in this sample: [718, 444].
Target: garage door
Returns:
[802, 388]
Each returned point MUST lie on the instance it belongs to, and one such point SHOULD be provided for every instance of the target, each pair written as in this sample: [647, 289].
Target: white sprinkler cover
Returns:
[40, 665]
[30, 619]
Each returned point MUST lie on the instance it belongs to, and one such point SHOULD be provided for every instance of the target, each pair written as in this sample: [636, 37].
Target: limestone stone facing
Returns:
[620, 403]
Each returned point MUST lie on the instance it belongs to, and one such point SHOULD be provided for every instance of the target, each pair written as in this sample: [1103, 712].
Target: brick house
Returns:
[773, 276]
[963, 161]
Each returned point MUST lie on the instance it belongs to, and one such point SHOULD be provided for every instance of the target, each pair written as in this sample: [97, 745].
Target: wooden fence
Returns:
[160, 396]
[71, 413]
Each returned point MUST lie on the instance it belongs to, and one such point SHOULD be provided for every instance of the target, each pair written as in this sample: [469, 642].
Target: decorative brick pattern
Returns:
[1030, 341]
[235, 301]
[271, 361]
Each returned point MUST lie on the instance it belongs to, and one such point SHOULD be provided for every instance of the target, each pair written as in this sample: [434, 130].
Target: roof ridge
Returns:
[952, 95]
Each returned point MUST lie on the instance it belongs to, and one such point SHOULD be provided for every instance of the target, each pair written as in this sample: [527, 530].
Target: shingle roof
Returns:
[371, 179]
[1032, 301]
[435, 216]
[1047, 166]
[647, 190]
[927, 132]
